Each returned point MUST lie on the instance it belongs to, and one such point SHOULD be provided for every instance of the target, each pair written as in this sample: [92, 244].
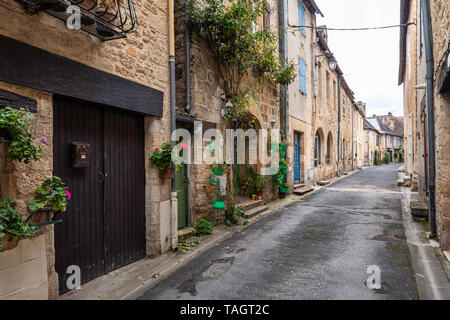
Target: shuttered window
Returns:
[301, 18]
[302, 64]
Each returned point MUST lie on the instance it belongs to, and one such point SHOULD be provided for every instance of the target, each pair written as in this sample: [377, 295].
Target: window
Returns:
[319, 80]
[302, 80]
[329, 143]
[334, 93]
[301, 18]
[343, 107]
[266, 18]
[317, 150]
[378, 140]
[328, 88]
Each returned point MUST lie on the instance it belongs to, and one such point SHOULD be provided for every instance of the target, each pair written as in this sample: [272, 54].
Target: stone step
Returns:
[185, 233]
[300, 185]
[303, 190]
[419, 209]
[323, 183]
[255, 211]
[248, 205]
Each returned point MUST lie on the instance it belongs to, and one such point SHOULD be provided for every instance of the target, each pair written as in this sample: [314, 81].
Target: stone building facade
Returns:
[412, 75]
[372, 143]
[138, 63]
[319, 101]
[200, 99]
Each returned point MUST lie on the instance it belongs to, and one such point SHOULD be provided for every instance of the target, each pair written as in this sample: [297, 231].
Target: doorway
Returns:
[104, 226]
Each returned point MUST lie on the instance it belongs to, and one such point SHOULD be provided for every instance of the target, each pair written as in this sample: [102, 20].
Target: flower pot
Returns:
[284, 190]
[283, 147]
[9, 241]
[41, 216]
[166, 174]
[108, 14]
[283, 170]
[89, 18]
[218, 205]
[218, 172]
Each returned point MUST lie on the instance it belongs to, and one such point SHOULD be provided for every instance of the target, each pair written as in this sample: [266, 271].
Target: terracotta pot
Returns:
[168, 173]
[42, 216]
[9, 241]
[108, 14]
[89, 5]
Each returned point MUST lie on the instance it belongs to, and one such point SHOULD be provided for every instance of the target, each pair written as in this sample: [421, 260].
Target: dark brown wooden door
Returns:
[104, 226]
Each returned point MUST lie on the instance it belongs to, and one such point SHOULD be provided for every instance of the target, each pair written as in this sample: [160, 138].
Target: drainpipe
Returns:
[173, 196]
[339, 123]
[430, 105]
[283, 48]
[187, 44]
[353, 140]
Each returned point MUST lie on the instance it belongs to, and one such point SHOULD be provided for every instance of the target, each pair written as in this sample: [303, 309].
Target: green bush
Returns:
[52, 193]
[12, 222]
[21, 147]
[387, 158]
[203, 227]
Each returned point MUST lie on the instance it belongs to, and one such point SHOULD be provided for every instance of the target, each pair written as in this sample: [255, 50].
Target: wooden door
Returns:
[104, 226]
[297, 172]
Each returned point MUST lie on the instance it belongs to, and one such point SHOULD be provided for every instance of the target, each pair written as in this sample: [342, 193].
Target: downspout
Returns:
[430, 106]
[187, 43]
[283, 48]
[353, 140]
[173, 196]
[339, 123]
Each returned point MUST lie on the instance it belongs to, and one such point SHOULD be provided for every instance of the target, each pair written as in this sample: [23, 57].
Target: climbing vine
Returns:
[241, 50]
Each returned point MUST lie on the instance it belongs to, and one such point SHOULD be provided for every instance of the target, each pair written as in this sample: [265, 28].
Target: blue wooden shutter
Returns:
[301, 17]
[302, 75]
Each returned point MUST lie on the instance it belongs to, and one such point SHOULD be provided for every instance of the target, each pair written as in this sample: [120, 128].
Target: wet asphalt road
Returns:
[319, 248]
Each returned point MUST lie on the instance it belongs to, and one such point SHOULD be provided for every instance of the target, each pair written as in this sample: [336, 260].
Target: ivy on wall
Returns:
[241, 50]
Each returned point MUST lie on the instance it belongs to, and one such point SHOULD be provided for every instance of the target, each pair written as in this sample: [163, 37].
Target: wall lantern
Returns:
[332, 62]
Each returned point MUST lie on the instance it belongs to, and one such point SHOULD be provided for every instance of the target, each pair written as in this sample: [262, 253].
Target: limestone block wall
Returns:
[440, 13]
[23, 271]
[141, 57]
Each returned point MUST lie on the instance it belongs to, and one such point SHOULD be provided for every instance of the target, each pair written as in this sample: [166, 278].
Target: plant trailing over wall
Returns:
[203, 227]
[12, 222]
[239, 48]
[52, 193]
[16, 125]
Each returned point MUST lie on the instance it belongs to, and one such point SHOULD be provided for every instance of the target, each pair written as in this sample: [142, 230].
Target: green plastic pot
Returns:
[219, 205]
[283, 147]
[218, 172]
[283, 170]
[284, 190]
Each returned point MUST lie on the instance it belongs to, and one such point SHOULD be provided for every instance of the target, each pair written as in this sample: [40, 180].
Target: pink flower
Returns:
[68, 195]
[44, 140]
[184, 145]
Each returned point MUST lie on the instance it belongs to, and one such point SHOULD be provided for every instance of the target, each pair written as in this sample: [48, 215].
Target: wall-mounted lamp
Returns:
[332, 62]
[273, 122]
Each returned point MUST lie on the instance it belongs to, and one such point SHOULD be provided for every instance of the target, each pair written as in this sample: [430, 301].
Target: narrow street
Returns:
[316, 249]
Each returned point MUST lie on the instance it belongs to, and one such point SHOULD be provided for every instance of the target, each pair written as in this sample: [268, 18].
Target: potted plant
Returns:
[219, 169]
[107, 10]
[162, 159]
[14, 125]
[284, 188]
[12, 226]
[51, 196]
[284, 166]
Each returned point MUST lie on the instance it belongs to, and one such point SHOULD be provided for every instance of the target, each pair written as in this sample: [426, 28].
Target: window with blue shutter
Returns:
[301, 18]
[302, 75]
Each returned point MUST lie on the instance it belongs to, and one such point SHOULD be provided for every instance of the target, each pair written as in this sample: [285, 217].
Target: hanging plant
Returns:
[51, 194]
[162, 159]
[16, 126]
[12, 226]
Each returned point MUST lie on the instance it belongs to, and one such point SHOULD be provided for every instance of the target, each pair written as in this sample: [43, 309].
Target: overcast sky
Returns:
[369, 59]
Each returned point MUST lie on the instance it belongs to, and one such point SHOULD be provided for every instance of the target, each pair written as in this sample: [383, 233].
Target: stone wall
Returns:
[141, 57]
[23, 271]
[206, 106]
[440, 13]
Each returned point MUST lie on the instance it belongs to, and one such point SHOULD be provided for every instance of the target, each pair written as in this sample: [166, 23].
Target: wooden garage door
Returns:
[104, 226]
